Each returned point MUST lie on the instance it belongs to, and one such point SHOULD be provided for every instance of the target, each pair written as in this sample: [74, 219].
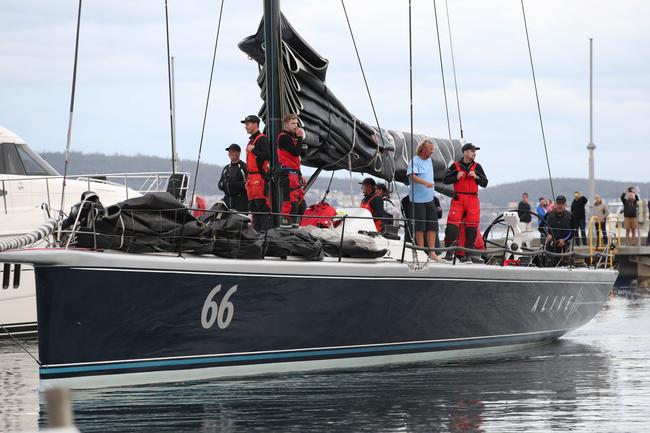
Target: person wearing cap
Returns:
[421, 195]
[372, 201]
[233, 181]
[289, 147]
[465, 211]
[579, 217]
[258, 155]
[558, 227]
[389, 207]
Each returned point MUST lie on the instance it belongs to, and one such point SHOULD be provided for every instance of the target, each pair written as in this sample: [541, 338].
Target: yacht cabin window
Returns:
[19, 159]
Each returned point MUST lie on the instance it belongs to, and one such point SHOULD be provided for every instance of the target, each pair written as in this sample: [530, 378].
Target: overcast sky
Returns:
[122, 100]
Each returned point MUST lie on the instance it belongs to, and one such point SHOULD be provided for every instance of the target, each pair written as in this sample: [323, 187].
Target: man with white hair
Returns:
[421, 194]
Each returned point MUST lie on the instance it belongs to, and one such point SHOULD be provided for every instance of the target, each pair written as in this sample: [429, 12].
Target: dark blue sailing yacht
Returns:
[109, 318]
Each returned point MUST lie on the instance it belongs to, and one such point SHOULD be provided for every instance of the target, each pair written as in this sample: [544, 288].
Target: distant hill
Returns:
[95, 163]
[497, 195]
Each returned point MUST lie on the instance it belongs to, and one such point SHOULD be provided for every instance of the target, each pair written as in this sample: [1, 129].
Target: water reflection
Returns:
[553, 387]
[18, 379]
[595, 379]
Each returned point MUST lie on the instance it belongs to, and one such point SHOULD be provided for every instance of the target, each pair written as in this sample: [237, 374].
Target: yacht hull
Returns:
[109, 319]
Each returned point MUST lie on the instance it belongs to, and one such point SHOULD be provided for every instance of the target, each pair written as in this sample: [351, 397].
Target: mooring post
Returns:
[59, 409]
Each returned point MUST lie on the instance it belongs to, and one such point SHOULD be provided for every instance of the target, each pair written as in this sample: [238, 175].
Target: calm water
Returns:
[595, 379]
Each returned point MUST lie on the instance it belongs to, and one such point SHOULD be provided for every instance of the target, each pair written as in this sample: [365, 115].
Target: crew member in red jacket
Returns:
[289, 147]
[466, 175]
[258, 155]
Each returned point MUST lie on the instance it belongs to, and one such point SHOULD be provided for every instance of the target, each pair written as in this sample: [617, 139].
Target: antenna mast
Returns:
[169, 82]
[591, 146]
[175, 160]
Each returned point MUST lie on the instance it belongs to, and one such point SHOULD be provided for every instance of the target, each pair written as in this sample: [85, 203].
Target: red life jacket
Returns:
[255, 183]
[466, 184]
[200, 205]
[286, 158]
[366, 205]
[251, 159]
[320, 215]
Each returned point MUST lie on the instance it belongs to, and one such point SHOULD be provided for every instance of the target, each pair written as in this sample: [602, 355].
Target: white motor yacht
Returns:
[30, 188]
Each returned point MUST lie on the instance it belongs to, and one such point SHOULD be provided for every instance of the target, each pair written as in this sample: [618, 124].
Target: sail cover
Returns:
[336, 139]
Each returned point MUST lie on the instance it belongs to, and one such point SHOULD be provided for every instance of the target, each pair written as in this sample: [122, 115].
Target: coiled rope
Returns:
[30, 238]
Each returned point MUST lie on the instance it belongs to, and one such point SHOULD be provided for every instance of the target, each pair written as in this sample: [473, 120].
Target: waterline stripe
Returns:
[281, 355]
[306, 349]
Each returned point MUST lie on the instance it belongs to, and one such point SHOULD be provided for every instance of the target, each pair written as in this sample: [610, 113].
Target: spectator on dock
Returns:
[523, 210]
[630, 204]
[549, 205]
[541, 210]
[600, 212]
[579, 217]
[558, 226]
[647, 242]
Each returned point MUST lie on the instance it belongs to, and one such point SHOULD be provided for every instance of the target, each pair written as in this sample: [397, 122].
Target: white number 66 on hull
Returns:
[213, 311]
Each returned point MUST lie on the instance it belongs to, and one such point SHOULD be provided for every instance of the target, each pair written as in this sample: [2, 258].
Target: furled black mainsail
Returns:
[336, 139]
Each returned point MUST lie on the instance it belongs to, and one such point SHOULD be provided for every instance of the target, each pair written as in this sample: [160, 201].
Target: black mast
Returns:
[273, 81]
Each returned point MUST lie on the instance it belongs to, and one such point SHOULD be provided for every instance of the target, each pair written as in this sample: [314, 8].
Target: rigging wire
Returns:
[72, 95]
[169, 83]
[442, 69]
[329, 185]
[407, 226]
[453, 67]
[20, 345]
[539, 110]
[365, 81]
[207, 103]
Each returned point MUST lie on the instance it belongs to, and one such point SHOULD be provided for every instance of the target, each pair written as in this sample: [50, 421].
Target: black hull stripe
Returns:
[230, 360]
